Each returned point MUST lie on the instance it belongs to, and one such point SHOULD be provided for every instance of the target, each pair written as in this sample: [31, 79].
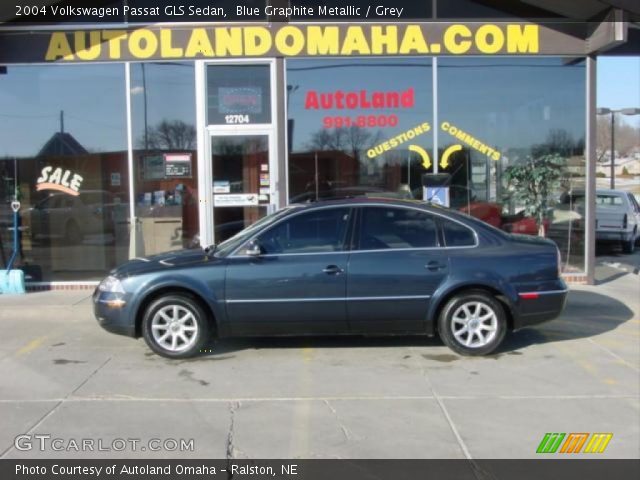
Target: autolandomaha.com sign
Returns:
[229, 41]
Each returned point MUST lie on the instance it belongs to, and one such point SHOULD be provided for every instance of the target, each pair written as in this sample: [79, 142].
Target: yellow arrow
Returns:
[444, 162]
[426, 161]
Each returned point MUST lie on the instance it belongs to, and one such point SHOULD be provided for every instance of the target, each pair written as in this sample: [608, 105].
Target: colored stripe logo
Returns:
[598, 442]
[573, 442]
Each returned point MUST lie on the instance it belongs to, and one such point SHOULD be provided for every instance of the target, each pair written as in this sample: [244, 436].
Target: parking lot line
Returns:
[301, 422]
[31, 346]
[615, 355]
[442, 407]
[372, 398]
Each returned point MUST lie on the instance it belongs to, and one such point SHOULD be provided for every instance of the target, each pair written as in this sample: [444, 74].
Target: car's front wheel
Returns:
[472, 323]
[176, 326]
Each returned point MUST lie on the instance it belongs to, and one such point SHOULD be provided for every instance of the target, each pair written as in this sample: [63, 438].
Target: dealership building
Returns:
[128, 130]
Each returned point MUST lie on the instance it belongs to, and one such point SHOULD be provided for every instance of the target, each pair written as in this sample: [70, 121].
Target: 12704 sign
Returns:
[236, 119]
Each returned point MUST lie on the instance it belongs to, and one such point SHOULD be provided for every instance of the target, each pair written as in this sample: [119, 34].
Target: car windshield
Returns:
[225, 248]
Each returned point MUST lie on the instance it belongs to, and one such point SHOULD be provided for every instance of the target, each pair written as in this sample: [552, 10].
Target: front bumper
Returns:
[114, 313]
[536, 306]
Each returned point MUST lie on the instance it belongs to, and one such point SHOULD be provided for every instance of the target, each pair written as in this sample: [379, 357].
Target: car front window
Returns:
[317, 231]
[225, 248]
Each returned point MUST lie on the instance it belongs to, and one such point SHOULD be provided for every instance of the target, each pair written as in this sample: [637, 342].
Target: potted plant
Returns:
[531, 183]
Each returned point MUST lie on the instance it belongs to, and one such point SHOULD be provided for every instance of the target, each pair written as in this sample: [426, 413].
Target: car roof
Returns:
[605, 191]
[362, 200]
[369, 200]
[610, 192]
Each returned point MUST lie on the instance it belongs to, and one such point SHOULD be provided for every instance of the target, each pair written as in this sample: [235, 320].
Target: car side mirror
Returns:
[253, 249]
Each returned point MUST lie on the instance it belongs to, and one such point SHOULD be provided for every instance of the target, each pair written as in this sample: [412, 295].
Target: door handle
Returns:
[434, 266]
[332, 270]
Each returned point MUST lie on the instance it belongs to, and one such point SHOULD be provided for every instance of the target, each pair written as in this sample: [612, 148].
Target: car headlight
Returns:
[111, 284]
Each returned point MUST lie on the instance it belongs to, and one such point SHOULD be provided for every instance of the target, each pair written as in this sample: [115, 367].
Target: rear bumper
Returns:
[538, 306]
[603, 236]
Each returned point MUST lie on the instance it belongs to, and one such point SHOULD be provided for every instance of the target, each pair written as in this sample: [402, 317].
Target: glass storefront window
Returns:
[358, 127]
[63, 152]
[238, 94]
[165, 155]
[506, 122]
[352, 131]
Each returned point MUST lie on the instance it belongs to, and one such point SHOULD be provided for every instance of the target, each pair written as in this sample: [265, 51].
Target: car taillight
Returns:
[624, 221]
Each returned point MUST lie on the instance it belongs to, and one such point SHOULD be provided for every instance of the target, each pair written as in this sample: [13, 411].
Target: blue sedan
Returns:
[357, 266]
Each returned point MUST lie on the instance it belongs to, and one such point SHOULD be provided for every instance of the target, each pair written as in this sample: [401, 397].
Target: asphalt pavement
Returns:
[65, 378]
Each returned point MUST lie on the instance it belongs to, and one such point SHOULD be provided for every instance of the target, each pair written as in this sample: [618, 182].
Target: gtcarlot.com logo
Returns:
[573, 442]
[48, 443]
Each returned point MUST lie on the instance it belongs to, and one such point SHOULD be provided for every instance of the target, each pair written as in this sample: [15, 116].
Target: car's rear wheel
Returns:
[472, 323]
[176, 326]
[630, 245]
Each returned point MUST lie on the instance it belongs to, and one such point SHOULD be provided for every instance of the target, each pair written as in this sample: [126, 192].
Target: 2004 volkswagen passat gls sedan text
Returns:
[356, 266]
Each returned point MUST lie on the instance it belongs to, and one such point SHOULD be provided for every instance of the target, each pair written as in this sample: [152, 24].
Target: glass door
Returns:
[241, 180]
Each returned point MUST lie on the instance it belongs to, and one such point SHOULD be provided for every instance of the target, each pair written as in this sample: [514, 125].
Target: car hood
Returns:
[163, 261]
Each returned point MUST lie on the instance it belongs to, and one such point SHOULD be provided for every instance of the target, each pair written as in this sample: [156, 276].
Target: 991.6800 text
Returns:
[360, 121]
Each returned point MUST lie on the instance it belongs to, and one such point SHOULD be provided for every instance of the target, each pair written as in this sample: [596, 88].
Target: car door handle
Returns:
[332, 270]
[435, 266]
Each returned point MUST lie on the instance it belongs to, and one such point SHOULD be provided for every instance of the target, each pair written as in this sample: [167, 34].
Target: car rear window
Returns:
[608, 200]
[388, 227]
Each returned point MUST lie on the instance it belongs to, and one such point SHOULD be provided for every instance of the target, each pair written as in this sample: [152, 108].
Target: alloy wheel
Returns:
[474, 324]
[174, 328]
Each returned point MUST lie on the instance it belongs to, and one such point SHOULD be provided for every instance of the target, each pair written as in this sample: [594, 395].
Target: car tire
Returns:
[72, 233]
[474, 309]
[176, 326]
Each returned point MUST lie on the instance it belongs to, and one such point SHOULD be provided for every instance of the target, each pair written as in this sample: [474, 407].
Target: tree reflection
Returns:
[170, 135]
[351, 140]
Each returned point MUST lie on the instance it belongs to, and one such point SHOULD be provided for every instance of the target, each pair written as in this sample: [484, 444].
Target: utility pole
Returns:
[613, 151]
[609, 111]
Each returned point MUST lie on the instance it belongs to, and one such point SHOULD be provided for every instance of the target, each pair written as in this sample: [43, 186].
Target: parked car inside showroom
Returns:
[72, 218]
[362, 266]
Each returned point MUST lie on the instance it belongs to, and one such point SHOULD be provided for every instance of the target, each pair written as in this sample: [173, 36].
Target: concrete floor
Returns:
[324, 397]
